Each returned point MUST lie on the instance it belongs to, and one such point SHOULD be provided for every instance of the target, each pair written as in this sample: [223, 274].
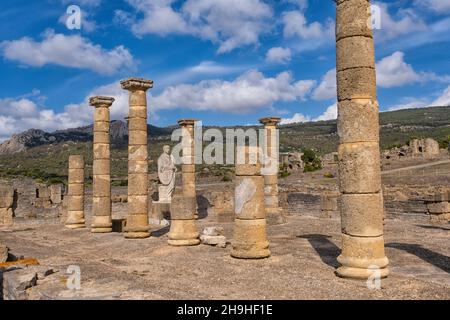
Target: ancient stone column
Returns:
[188, 159]
[183, 231]
[249, 239]
[363, 253]
[75, 196]
[270, 171]
[101, 196]
[137, 222]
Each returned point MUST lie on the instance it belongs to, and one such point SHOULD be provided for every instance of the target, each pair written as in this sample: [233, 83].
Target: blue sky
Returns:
[222, 61]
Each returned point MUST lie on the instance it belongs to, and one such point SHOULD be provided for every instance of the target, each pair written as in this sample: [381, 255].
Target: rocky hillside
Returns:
[34, 138]
[41, 155]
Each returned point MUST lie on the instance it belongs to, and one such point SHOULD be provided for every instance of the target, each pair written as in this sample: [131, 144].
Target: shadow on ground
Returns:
[326, 249]
[434, 258]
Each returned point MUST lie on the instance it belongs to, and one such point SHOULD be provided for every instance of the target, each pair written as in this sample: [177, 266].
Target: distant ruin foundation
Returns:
[101, 197]
[137, 225]
[249, 239]
[75, 205]
[362, 210]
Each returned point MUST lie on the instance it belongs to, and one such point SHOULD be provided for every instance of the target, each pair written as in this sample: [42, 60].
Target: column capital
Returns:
[99, 101]
[270, 121]
[134, 84]
[187, 122]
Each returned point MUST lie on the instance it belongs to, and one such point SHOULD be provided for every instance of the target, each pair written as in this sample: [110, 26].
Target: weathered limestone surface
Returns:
[183, 231]
[329, 204]
[137, 222]
[362, 207]
[249, 239]
[75, 197]
[274, 213]
[439, 207]
[101, 199]
[56, 193]
[6, 205]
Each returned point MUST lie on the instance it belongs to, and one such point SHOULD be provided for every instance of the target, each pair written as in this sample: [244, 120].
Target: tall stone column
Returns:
[137, 222]
[188, 163]
[249, 239]
[363, 253]
[75, 195]
[101, 198]
[274, 213]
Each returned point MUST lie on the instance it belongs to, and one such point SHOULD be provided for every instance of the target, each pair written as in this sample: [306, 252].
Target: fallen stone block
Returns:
[219, 241]
[213, 231]
[16, 282]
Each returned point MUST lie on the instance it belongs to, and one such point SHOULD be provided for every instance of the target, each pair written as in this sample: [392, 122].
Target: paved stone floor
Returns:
[302, 264]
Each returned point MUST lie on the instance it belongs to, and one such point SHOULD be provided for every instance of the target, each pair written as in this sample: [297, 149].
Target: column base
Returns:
[180, 243]
[361, 273]
[183, 233]
[250, 240]
[137, 235]
[101, 224]
[251, 253]
[76, 226]
[362, 258]
[101, 230]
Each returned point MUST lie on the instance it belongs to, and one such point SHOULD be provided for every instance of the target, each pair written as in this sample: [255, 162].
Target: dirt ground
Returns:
[302, 264]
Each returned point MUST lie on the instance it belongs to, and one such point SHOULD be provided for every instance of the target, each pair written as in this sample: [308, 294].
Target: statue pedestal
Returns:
[160, 213]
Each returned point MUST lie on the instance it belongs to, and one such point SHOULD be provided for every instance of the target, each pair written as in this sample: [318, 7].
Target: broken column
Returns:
[183, 231]
[270, 170]
[75, 205]
[249, 239]
[101, 196]
[439, 207]
[188, 158]
[6, 205]
[137, 221]
[359, 156]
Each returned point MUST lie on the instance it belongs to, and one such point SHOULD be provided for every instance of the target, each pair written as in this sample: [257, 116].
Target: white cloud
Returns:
[295, 24]
[393, 71]
[17, 115]
[409, 103]
[249, 92]
[327, 87]
[439, 6]
[279, 55]
[296, 118]
[444, 99]
[329, 114]
[230, 23]
[69, 51]
[405, 22]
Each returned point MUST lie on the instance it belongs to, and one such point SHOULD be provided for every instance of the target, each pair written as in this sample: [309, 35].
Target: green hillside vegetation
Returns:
[48, 162]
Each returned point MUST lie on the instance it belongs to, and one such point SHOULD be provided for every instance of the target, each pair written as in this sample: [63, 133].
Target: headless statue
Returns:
[166, 175]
